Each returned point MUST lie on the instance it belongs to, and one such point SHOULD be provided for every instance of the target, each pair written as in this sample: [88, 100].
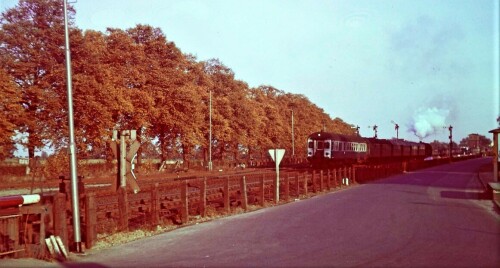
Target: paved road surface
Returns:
[428, 218]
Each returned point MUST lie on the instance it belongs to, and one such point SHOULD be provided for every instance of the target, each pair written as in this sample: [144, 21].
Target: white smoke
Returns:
[428, 121]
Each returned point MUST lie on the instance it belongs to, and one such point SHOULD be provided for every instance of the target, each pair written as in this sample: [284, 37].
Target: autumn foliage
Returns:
[136, 79]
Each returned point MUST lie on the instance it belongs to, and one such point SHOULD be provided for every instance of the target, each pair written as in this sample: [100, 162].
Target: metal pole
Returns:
[277, 181]
[72, 149]
[293, 140]
[210, 134]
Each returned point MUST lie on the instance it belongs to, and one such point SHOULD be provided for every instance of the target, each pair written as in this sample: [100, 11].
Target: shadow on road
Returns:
[465, 195]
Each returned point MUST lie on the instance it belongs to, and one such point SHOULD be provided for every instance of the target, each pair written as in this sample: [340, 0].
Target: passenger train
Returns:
[324, 149]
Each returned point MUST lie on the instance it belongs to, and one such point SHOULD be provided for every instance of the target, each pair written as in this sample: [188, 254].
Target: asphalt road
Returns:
[428, 218]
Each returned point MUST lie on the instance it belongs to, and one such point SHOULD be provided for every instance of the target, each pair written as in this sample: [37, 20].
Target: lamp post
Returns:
[72, 147]
[293, 139]
[210, 133]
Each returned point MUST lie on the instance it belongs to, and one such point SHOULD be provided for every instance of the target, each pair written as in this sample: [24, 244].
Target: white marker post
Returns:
[277, 155]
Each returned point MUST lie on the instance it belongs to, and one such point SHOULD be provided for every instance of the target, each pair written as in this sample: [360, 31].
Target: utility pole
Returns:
[450, 128]
[210, 133]
[72, 147]
[293, 139]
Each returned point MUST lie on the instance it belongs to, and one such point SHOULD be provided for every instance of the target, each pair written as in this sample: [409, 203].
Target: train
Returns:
[328, 149]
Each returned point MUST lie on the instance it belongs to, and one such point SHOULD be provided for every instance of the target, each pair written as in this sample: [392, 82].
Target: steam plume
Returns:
[428, 121]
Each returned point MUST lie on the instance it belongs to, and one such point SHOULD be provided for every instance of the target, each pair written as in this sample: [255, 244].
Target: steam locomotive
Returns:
[326, 149]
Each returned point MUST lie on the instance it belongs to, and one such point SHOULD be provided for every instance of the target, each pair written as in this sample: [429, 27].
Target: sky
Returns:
[424, 65]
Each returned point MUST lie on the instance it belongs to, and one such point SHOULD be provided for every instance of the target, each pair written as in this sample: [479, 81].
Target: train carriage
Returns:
[326, 149]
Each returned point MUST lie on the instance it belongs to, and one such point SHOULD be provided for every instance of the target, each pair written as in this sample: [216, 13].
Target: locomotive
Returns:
[327, 149]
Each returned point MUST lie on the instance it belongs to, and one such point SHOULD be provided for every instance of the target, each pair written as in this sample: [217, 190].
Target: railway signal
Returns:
[375, 129]
[396, 127]
[125, 158]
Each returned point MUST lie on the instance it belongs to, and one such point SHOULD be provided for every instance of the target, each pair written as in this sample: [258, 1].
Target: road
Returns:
[429, 218]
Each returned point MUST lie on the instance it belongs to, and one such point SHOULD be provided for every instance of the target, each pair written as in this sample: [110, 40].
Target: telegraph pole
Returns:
[450, 128]
[210, 133]
[72, 148]
[293, 141]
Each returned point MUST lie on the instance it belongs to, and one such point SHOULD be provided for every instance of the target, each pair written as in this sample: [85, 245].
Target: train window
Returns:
[327, 145]
[310, 144]
[336, 145]
[320, 145]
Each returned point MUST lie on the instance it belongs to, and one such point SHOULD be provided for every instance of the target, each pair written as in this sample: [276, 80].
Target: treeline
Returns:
[135, 79]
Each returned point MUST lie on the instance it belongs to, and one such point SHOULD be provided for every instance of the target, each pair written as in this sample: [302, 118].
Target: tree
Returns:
[10, 110]
[31, 38]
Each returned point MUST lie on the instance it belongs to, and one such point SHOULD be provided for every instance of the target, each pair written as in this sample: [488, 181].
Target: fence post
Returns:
[314, 181]
[185, 204]
[90, 220]
[335, 178]
[305, 183]
[44, 217]
[60, 221]
[353, 174]
[297, 185]
[287, 187]
[203, 198]
[262, 186]
[328, 180]
[155, 201]
[227, 206]
[243, 190]
[349, 170]
[321, 186]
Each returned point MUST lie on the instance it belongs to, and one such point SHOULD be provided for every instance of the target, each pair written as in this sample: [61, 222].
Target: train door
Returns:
[327, 149]
[310, 148]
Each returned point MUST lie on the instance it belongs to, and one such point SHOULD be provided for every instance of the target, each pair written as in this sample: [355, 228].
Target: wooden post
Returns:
[243, 189]
[60, 220]
[335, 178]
[328, 186]
[123, 209]
[349, 172]
[305, 183]
[287, 187]
[44, 217]
[184, 200]
[227, 205]
[353, 174]
[90, 220]
[314, 181]
[155, 205]
[297, 185]
[262, 186]
[203, 198]
[276, 192]
[321, 181]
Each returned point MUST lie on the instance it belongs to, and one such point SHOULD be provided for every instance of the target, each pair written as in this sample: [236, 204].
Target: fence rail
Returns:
[23, 229]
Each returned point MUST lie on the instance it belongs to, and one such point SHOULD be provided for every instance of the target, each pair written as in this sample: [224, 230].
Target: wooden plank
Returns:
[90, 220]
[262, 188]
[155, 205]
[60, 219]
[243, 189]
[203, 198]
[227, 205]
[184, 200]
